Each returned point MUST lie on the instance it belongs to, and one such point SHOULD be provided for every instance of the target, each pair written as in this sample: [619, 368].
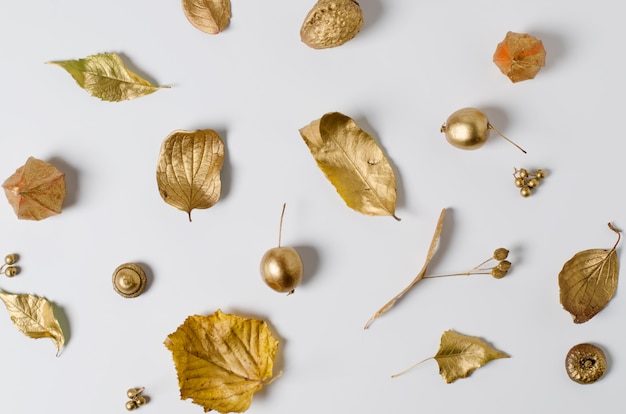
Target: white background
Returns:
[413, 64]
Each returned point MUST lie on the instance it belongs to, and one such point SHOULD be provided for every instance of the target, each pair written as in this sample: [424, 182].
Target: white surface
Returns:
[412, 65]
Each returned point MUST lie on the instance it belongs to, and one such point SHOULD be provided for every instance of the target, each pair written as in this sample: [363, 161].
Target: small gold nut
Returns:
[331, 23]
[585, 363]
[129, 280]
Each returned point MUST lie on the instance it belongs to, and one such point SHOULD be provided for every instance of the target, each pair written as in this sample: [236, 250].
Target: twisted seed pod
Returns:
[585, 363]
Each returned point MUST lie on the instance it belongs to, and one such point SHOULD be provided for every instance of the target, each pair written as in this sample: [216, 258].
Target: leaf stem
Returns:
[619, 235]
[280, 229]
[411, 367]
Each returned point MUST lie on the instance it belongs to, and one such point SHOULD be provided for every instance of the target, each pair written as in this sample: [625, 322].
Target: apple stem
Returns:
[280, 229]
[509, 140]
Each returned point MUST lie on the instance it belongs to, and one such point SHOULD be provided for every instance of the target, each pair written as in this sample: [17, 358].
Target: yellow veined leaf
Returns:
[106, 77]
[354, 163]
[34, 317]
[209, 16]
[188, 172]
[222, 360]
[460, 355]
[588, 281]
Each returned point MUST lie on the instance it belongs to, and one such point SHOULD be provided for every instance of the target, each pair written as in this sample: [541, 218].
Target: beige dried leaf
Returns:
[331, 23]
[460, 355]
[222, 360]
[36, 190]
[354, 163]
[106, 77]
[588, 281]
[429, 256]
[188, 172]
[34, 317]
[209, 16]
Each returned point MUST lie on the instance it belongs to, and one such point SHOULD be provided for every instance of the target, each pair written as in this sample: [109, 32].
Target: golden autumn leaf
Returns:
[354, 163]
[459, 355]
[36, 190]
[106, 77]
[188, 172]
[588, 281]
[34, 317]
[520, 56]
[222, 360]
[209, 16]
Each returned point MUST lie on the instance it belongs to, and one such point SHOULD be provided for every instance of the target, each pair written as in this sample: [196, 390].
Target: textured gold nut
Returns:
[129, 280]
[331, 23]
[585, 363]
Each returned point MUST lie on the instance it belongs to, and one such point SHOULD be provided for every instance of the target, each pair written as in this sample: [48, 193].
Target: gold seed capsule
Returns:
[129, 280]
[500, 253]
[585, 363]
[10, 259]
[504, 265]
[498, 273]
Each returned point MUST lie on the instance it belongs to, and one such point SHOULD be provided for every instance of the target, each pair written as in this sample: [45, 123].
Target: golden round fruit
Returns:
[281, 269]
[467, 128]
[131, 405]
[10, 259]
[129, 280]
[585, 363]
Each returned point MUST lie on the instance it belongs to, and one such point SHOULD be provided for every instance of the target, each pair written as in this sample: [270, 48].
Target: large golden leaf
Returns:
[354, 163]
[188, 172]
[36, 190]
[209, 16]
[460, 355]
[222, 360]
[34, 317]
[588, 281]
[106, 77]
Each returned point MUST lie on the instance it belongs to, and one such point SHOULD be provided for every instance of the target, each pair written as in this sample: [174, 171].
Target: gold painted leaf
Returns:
[36, 190]
[588, 281]
[354, 163]
[188, 172]
[106, 77]
[209, 16]
[460, 355]
[222, 360]
[34, 317]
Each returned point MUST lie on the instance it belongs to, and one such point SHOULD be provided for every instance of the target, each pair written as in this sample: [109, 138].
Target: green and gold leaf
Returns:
[106, 77]
[34, 317]
[188, 171]
[354, 163]
[588, 281]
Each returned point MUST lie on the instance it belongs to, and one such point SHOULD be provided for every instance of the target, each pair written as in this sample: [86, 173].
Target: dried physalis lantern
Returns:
[331, 23]
[469, 128]
[520, 56]
[36, 190]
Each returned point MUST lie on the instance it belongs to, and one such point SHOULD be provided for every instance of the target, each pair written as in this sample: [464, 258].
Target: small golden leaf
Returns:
[36, 190]
[106, 77]
[188, 172]
[588, 281]
[209, 16]
[354, 163]
[34, 317]
[222, 360]
[460, 355]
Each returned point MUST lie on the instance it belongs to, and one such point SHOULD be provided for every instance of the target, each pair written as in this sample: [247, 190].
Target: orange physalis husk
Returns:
[520, 56]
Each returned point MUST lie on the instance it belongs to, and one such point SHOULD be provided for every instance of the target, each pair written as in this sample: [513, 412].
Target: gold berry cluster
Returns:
[8, 267]
[136, 399]
[527, 181]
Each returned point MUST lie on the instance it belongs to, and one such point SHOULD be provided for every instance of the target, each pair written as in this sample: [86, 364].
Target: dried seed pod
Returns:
[500, 253]
[331, 23]
[129, 280]
[585, 363]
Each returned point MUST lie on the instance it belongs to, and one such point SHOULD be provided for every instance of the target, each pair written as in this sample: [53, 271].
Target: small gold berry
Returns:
[533, 182]
[519, 182]
[540, 174]
[131, 405]
[140, 400]
[525, 191]
[523, 173]
[10, 259]
[10, 271]
[132, 393]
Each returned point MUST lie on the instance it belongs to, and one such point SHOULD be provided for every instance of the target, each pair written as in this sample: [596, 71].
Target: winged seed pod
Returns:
[331, 23]
[188, 171]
